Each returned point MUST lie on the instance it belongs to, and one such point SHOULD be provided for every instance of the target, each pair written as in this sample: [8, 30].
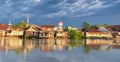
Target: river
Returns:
[59, 50]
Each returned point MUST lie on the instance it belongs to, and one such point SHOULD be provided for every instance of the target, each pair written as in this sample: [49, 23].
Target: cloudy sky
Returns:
[71, 12]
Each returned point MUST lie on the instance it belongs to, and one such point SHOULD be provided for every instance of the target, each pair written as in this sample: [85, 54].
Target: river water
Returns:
[59, 50]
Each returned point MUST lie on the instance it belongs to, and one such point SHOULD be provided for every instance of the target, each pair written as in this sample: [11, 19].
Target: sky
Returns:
[70, 12]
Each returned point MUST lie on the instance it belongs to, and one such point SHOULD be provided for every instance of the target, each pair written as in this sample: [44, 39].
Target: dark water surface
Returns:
[61, 50]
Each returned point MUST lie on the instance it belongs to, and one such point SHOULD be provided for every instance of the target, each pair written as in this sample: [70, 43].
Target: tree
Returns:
[74, 34]
[94, 27]
[67, 29]
[21, 24]
[104, 25]
[85, 26]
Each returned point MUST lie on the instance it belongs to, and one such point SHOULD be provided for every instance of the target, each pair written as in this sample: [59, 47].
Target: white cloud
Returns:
[82, 7]
[25, 8]
[32, 2]
[37, 1]
[59, 13]
[84, 14]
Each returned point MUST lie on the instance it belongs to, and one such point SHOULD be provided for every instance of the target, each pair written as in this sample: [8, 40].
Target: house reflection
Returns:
[28, 46]
[24, 46]
[61, 43]
[51, 44]
[46, 45]
[10, 44]
[100, 44]
[18, 45]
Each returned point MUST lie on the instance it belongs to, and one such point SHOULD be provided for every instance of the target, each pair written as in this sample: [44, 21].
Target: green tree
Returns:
[104, 25]
[74, 34]
[21, 24]
[85, 26]
[94, 27]
[67, 29]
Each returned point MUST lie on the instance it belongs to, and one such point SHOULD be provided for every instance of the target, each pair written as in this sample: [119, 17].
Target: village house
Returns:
[95, 33]
[115, 29]
[14, 31]
[47, 31]
[32, 31]
[3, 30]
[10, 31]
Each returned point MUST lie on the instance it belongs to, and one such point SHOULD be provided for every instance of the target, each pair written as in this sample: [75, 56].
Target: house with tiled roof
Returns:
[47, 31]
[3, 29]
[14, 31]
[32, 31]
[116, 30]
[97, 34]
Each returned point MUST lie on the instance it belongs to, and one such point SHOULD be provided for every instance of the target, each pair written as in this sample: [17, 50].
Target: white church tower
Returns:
[60, 26]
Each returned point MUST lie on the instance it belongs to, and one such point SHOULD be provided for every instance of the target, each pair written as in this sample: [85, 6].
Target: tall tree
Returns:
[85, 26]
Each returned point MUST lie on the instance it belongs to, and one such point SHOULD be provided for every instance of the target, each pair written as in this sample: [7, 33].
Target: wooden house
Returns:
[95, 33]
[14, 31]
[32, 31]
[47, 31]
[3, 29]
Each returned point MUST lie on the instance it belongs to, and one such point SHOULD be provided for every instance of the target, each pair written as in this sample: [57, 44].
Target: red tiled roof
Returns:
[38, 27]
[15, 28]
[3, 27]
[114, 26]
[47, 26]
[93, 30]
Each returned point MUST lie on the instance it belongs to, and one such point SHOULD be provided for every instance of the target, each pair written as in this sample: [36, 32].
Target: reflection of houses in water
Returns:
[103, 44]
[16, 44]
[51, 44]
[28, 46]
[98, 41]
[46, 44]
[99, 44]
[61, 43]
[10, 44]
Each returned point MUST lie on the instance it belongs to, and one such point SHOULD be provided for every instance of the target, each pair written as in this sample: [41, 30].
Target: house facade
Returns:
[3, 30]
[14, 31]
[32, 31]
[47, 31]
[95, 33]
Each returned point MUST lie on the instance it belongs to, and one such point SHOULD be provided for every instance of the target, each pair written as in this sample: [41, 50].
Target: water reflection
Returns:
[24, 49]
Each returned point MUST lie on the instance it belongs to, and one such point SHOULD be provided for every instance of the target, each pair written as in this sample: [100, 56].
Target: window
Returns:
[9, 31]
